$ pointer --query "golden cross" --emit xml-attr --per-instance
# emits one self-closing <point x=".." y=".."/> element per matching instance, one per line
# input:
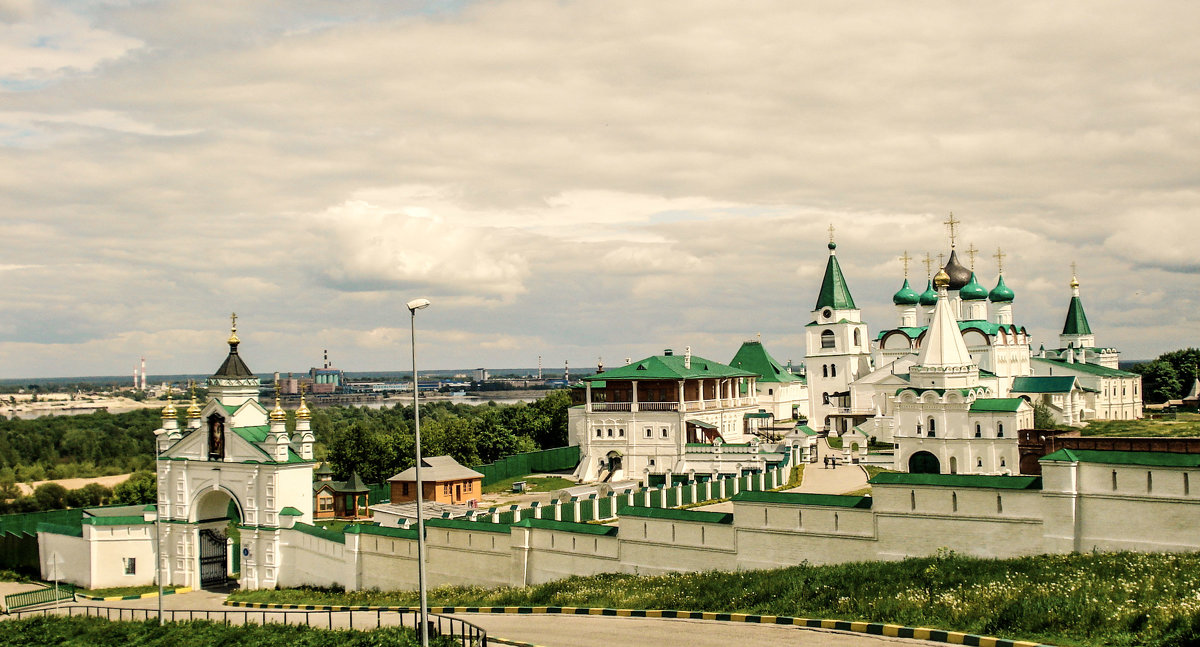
<point x="905" y="259"/>
<point x="276" y="388"/>
<point x="941" y="260"/>
<point x="971" y="251"/>
<point x="831" y="232"/>
<point x="999" y="256"/>
<point x="1074" y="270"/>
<point x="953" y="224"/>
<point x="928" y="261"/>
<point x="233" y="321"/>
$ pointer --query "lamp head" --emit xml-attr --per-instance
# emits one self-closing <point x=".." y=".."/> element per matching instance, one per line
<point x="417" y="304"/>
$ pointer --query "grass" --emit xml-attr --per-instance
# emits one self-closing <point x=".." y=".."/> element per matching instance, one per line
<point x="125" y="590"/>
<point x="13" y="576"/>
<point x="872" y="470"/>
<point x="1185" y="425"/>
<point x="98" y="632"/>
<point x="794" y="478"/>
<point x="1095" y="599"/>
<point x="532" y="484"/>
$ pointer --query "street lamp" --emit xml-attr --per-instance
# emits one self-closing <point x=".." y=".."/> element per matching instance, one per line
<point x="413" y="306"/>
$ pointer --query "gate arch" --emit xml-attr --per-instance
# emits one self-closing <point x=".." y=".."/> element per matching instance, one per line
<point x="924" y="463"/>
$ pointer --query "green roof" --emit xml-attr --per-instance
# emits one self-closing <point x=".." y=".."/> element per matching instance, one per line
<point x="801" y="498"/>
<point x="919" y="390"/>
<point x="1152" y="459"/>
<point x="959" y="480"/>
<point x="1044" y="384"/>
<point x="372" y="529"/>
<point x="290" y="512"/>
<point x="323" y="533"/>
<point x="988" y="405"/>
<point x="986" y="327"/>
<point x="463" y="524"/>
<point x="670" y="367"/>
<point x="1076" y="323"/>
<point x="834" y="291"/>
<point x="567" y="526"/>
<point x="806" y="430"/>
<point x="906" y="296"/>
<point x="229" y="408"/>
<point x="1090" y="369"/>
<point x="754" y="358"/>
<point x="130" y="520"/>
<point x="674" y="514"/>
<point x="117" y="511"/>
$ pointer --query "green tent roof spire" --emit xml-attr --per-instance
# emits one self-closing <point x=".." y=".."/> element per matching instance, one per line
<point x="834" y="291"/>
<point x="1076" y="323"/>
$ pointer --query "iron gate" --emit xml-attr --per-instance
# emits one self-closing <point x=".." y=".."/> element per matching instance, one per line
<point x="213" y="559"/>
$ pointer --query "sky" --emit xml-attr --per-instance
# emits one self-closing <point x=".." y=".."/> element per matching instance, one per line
<point x="576" y="180"/>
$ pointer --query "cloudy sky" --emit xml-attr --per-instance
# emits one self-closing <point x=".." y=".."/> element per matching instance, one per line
<point x="575" y="179"/>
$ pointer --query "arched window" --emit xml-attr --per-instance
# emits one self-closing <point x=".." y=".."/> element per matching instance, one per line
<point x="978" y="431"/>
<point x="825" y="398"/>
<point x="833" y="370"/>
<point x="932" y="428"/>
<point x="824" y="370"/>
<point x="1000" y="430"/>
<point x="857" y="337"/>
<point x="827" y="339"/>
<point x="978" y="462"/>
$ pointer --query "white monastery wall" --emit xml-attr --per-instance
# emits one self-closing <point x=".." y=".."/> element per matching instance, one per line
<point x="654" y="546"/>
<point x="541" y="555"/>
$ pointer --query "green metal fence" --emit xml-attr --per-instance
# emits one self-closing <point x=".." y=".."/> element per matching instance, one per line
<point x="39" y="596"/>
<point x="546" y="460"/>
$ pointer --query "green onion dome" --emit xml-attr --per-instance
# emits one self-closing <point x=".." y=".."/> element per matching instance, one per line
<point x="972" y="291"/>
<point x="906" y="296"/>
<point x="1001" y="293"/>
<point x="928" y="297"/>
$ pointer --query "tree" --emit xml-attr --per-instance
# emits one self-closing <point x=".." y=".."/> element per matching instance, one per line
<point x="92" y="494"/>
<point x="365" y="447"/>
<point x="51" y="496"/>
<point x="140" y="488"/>
<point x="1160" y="381"/>
<point x="1042" y="418"/>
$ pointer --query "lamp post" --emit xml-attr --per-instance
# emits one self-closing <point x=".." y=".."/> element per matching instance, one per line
<point x="413" y="306"/>
<point x="158" y="556"/>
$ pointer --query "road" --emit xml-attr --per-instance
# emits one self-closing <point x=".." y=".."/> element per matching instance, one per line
<point x="552" y="630"/>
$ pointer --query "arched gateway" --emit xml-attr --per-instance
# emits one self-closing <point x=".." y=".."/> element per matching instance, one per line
<point x="924" y="463"/>
<point x="229" y="481"/>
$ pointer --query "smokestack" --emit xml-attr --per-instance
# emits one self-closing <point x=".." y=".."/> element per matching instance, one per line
<point x="135" y="379"/>
<point x="566" y="371"/>
<point x="539" y="367"/>
<point x="326" y="351"/>
<point x="143" y="373"/>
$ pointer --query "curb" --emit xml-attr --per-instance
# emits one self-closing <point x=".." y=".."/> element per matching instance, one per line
<point x="872" y="628"/>
<point x="114" y="598"/>
<point x="509" y="641"/>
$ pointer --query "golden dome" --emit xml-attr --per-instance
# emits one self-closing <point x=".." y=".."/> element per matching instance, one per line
<point x="1074" y="282"/>
<point x="193" y="410"/>
<point x="169" y="411"/>
<point x="941" y="279"/>
<point x="278" y="414"/>
<point x="303" y="413"/>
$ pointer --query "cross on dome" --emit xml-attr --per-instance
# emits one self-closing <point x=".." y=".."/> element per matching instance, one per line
<point x="953" y="224"/>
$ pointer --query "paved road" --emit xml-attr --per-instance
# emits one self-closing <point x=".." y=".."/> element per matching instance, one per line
<point x="571" y="631"/>
<point x="839" y="480"/>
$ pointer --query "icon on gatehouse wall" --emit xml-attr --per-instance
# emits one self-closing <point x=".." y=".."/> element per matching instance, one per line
<point x="216" y="438"/>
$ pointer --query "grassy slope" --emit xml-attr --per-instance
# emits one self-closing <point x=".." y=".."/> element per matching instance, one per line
<point x="1088" y="599"/>
<point x="1186" y="425"/>
<point x="532" y="484"/>
<point x="98" y="632"/>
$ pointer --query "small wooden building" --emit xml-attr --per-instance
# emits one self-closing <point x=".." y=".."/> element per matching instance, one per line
<point x="443" y="481"/>
<point x="340" y="499"/>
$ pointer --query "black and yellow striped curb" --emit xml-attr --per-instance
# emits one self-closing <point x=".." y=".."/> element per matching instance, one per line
<point x="873" y="628"/>
<point x="143" y="596"/>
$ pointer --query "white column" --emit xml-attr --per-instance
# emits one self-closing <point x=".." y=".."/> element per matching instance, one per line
<point x="588" y="406"/>
<point x="633" y="406"/>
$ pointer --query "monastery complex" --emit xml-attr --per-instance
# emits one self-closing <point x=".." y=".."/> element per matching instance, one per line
<point x="943" y="396"/>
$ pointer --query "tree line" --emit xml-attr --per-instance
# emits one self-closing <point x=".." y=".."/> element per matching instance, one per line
<point x="1170" y="376"/>
<point x="375" y="443"/>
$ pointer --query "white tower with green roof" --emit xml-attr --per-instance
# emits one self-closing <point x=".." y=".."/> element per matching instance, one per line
<point x="838" y="351"/>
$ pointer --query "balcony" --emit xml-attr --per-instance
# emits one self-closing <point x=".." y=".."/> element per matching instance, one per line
<point x="658" y="406"/>
<point x="611" y="406"/>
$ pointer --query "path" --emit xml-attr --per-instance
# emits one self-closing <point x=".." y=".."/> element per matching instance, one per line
<point x="838" y="480"/>
<point x="76" y="483"/>
<point x="552" y="630"/>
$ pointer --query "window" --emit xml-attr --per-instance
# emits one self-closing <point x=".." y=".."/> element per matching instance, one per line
<point x="446" y="488"/>
<point x="403" y="488"/>
<point x="1114" y="479"/>
<point x="932" y="428"/>
<point x="912" y="499"/>
<point x="651" y="462"/>
<point x="649" y="432"/>
<point x="978" y="430"/>
<point x="825" y="398"/>
<point x="999" y="504"/>
<point x="833" y="370"/>
<point x="1002" y="462"/>
<point x="954" y="501"/>
<point x="130" y="564"/>
<point x="664" y="432"/>
<point x="621" y="432"/>
<point x="770" y="391"/>
<point x="857" y="337"/>
<point x="1000" y="430"/>
<point x="824" y="370"/>
<point x="469" y="485"/>
<point x="827" y="339"/>
<point x="978" y="462"/>
<point x="1149" y="481"/>
<point x="325" y="503"/>
<point x="599" y="433"/>
<point x="1186" y="486"/>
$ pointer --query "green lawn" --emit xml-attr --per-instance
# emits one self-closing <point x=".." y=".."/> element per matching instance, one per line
<point x="92" y="632"/>
<point x="532" y="484"/>
<point x="1185" y="425"/>
<point x="125" y="590"/>
<point x="1096" y="599"/>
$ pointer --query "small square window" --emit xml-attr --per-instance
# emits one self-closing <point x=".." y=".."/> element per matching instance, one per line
<point x="664" y="432"/>
<point x="651" y="462"/>
<point x="130" y="564"/>
<point x="649" y="432"/>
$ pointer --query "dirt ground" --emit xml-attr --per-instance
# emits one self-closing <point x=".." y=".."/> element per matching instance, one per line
<point x="75" y="484"/>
